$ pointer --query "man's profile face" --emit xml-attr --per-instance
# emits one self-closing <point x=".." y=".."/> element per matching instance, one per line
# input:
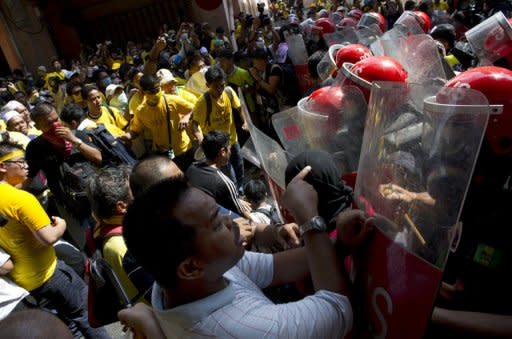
<point x="226" y="64"/>
<point x="218" y="243"/>
<point x="45" y="123"/>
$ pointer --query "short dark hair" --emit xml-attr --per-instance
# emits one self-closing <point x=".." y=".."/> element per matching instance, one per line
<point x="72" y="112"/>
<point x="148" y="82"/>
<point x="8" y="146"/>
<point x="42" y="109"/>
<point x="227" y="53"/>
<point x="107" y="188"/>
<point x="88" y="89"/>
<point x="213" y="74"/>
<point x="130" y="74"/>
<point x="213" y="142"/>
<point x="70" y="86"/>
<point x="259" y="54"/>
<point x="255" y="191"/>
<point x="170" y="240"/>
<point x="146" y="173"/>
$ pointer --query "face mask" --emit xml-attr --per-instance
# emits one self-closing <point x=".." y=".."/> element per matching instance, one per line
<point x="63" y="146"/>
<point x="120" y="102"/>
<point x="107" y="81"/>
<point x="77" y="98"/>
<point x="153" y="99"/>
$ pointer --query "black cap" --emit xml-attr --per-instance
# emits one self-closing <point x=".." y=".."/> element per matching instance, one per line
<point x="226" y="53"/>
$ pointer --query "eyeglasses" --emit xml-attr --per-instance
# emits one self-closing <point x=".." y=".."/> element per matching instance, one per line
<point x="19" y="162"/>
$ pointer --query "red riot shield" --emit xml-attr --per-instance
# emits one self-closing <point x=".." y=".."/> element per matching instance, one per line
<point x="419" y="150"/>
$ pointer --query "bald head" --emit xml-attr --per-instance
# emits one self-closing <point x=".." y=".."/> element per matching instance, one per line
<point x="150" y="171"/>
<point x="33" y="324"/>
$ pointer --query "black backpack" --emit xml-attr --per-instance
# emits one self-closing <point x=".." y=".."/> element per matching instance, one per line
<point x="74" y="172"/>
<point x="272" y="214"/>
<point x="113" y="151"/>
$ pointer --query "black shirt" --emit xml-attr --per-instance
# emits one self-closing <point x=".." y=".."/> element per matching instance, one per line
<point x="41" y="155"/>
<point x="216" y="184"/>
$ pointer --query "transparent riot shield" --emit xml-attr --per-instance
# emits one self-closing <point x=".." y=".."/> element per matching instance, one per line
<point x="405" y="26"/>
<point x="408" y="24"/>
<point x="332" y="120"/>
<point x="491" y="39"/>
<point x="368" y="35"/>
<point x="299" y="56"/>
<point x="345" y="35"/>
<point x="266" y="153"/>
<point x="419" y="55"/>
<point x="327" y="65"/>
<point x="290" y="133"/>
<point x="419" y="150"/>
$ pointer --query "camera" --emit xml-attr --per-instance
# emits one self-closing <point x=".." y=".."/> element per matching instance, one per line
<point x="261" y="7"/>
<point x="264" y="18"/>
<point x="249" y="19"/>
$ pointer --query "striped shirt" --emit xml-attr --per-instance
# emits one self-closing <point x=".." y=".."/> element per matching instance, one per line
<point x="241" y="310"/>
<point x="216" y="184"/>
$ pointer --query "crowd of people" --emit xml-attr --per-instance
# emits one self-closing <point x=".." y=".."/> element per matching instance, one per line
<point x="134" y="153"/>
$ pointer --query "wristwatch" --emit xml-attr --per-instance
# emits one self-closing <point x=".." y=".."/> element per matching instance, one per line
<point x="316" y="223"/>
<point x="78" y="143"/>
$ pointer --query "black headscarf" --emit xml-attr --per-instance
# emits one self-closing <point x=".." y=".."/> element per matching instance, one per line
<point x="333" y="194"/>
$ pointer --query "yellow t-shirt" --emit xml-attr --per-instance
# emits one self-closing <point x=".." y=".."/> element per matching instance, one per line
<point x="154" y="118"/>
<point x="114" y="124"/>
<point x="135" y="102"/>
<point x="183" y="93"/>
<point x="221" y="116"/>
<point x="114" y="249"/>
<point x="32" y="131"/>
<point x="19" y="138"/>
<point x="3" y="127"/>
<point x="34" y="263"/>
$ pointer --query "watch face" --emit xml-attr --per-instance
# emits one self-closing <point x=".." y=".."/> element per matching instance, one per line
<point x="319" y="223"/>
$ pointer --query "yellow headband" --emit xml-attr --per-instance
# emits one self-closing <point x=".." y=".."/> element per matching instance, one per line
<point x="12" y="155"/>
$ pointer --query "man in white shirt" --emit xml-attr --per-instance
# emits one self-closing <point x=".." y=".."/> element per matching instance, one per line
<point x="208" y="286"/>
<point x="10" y="293"/>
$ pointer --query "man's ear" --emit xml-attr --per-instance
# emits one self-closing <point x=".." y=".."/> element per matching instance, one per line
<point x="190" y="269"/>
<point x="73" y="125"/>
<point x="121" y="207"/>
<point x="2" y="168"/>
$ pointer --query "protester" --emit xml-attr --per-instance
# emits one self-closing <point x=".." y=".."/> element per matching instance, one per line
<point x="36" y="267"/>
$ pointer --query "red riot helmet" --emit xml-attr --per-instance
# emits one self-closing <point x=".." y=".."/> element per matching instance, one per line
<point x="347" y="22"/>
<point x="373" y="68"/>
<point x="351" y="53"/>
<point x="373" y="18"/>
<point x="423" y="20"/>
<point x="496" y="84"/>
<point x="326" y="25"/>
<point x="326" y="99"/>
<point x="355" y="13"/>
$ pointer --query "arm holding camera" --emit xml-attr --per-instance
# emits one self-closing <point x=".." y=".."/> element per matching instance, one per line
<point x="151" y="65"/>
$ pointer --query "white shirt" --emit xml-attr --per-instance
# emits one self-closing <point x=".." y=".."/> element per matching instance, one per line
<point x="241" y="310"/>
<point x="10" y="293"/>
